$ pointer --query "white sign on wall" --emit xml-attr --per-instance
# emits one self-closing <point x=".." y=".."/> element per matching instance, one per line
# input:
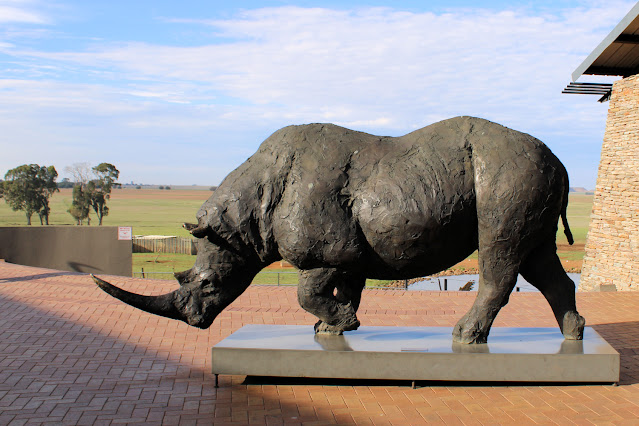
<point x="125" y="233"/>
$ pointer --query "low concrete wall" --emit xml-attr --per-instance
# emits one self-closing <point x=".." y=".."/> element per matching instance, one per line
<point x="94" y="249"/>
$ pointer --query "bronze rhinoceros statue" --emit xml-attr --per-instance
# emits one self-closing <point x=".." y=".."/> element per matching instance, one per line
<point x="343" y="206"/>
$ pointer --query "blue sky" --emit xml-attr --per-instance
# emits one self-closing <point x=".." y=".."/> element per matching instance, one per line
<point x="183" y="92"/>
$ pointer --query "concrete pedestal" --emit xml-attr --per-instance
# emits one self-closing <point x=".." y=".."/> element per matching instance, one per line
<point x="416" y="353"/>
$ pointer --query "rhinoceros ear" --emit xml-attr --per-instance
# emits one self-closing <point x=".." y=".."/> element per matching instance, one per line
<point x="195" y="230"/>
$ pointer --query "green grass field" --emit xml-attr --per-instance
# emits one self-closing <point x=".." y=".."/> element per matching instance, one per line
<point x="162" y="212"/>
<point x="579" y="208"/>
<point x="148" y="211"/>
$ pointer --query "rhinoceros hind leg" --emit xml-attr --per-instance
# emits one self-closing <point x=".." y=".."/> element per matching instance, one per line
<point x="542" y="268"/>
<point x="335" y="309"/>
<point x="497" y="279"/>
<point x="573" y="326"/>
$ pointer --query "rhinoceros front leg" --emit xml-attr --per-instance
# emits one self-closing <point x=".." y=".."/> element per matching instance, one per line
<point x="332" y="295"/>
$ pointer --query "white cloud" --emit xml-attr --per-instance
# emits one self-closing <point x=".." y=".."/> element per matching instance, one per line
<point x="321" y="57"/>
<point x="20" y="11"/>
<point x="375" y="69"/>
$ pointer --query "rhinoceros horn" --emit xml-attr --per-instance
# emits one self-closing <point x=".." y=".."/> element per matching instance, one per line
<point x="163" y="305"/>
<point x="197" y="231"/>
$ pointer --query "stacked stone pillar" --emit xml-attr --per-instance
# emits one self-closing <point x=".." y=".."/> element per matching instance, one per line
<point x="611" y="260"/>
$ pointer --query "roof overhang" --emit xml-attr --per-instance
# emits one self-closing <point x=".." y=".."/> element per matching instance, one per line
<point x="601" y="89"/>
<point x="618" y="53"/>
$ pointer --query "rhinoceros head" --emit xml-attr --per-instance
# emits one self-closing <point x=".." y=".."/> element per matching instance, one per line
<point x="218" y="277"/>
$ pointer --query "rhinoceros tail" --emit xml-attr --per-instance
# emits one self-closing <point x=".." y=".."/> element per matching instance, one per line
<point x="564" y="219"/>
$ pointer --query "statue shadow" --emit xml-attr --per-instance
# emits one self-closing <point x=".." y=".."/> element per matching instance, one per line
<point x="74" y="370"/>
<point x="37" y="276"/>
<point x="624" y="338"/>
<point x="83" y="267"/>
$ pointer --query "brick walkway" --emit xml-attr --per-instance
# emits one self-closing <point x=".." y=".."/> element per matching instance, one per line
<point x="70" y="354"/>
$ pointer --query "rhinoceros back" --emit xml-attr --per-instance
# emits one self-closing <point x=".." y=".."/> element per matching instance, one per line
<point x="320" y="195"/>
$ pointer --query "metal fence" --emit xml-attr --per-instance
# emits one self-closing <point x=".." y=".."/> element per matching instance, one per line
<point x="443" y="283"/>
<point x="281" y="278"/>
<point x="263" y="278"/>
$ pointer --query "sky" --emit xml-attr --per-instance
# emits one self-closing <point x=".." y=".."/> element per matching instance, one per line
<point x="183" y="92"/>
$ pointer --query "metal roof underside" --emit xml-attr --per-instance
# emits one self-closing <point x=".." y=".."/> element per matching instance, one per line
<point x="618" y="53"/>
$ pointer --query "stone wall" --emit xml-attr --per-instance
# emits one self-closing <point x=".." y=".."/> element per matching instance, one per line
<point x="612" y="245"/>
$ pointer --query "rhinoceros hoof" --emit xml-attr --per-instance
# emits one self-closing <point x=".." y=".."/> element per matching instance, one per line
<point x="573" y="326"/>
<point x="323" y="328"/>
<point x="468" y="335"/>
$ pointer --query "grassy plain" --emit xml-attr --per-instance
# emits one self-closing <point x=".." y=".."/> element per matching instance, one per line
<point x="162" y="212"/>
<point x="579" y="209"/>
<point x="148" y="211"/>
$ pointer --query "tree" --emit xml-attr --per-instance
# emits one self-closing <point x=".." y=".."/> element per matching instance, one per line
<point x="80" y="172"/>
<point x="80" y="206"/>
<point x="28" y="188"/>
<point x="47" y="176"/>
<point x="65" y="183"/>
<point x="100" y="188"/>
<point x="81" y="203"/>
<point x="92" y="189"/>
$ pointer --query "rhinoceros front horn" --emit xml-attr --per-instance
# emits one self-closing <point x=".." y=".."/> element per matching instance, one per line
<point x="162" y="305"/>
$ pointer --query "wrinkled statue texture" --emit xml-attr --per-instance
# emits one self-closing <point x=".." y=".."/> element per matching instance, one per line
<point x="343" y="206"/>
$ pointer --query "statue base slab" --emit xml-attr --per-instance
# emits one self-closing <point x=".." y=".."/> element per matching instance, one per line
<point x="416" y="353"/>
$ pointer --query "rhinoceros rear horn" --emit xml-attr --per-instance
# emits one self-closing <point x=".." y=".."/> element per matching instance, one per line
<point x="183" y="276"/>
<point x="162" y="305"/>
<point x="195" y="230"/>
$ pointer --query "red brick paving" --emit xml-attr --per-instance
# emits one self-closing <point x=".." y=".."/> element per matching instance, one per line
<point x="70" y="354"/>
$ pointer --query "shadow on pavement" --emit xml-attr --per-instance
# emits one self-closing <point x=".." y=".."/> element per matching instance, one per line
<point x="61" y="371"/>
<point x="624" y="337"/>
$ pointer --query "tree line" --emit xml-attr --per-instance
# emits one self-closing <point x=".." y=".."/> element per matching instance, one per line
<point x="29" y="187"/>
